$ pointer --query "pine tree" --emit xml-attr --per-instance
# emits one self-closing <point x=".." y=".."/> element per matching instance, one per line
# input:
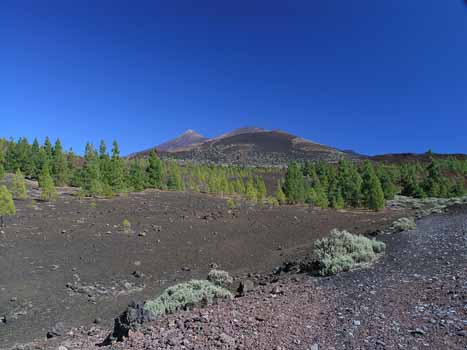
<point x="260" y="188"/>
<point x="224" y="185"/>
<point x="91" y="176"/>
<point x="59" y="165"/>
<point x="175" y="181"/>
<point x="2" y="171"/>
<point x="338" y="200"/>
<point x="19" y="186"/>
<point x="137" y="177"/>
<point x="48" y="148"/>
<point x="335" y="197"/>
<point x="7" y="206"/>
<point x="36" y="165"/>
<point x="105" y="166"/>
<point x="239" y="186"/>
<point x="154" y="171"/>
<point x="387" y="183"/>
<point x="410" y="182"/>
<point x="11" y="159"/>
<point x="318" y="196"/>
<point x="117" y="171"/>
<point x="279" y="194"/>
<point x="46" y="184"/>
<point x="294" y="185"/>
<point x="433" y="182"/>
<point x="250" y="190"/>
<point x="372" y="192"/>
<point x="23" y="156"/>
<point x="349" y="184"/>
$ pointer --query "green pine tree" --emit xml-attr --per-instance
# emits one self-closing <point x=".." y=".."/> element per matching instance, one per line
<point x="59" y="165"/>
<point x="432" y="185"/>
<point x="23" y="156"/>
<point x="92" y="184"/>
<point x="250" y="190"/>
<point x="372" y="192"/>
<point x="349" y="183"/>
<point x="117" y="170"/>
<point x="154" y="171"/>
<point x="19" y="190"/>
<point x="48" y="148"/>
<point x="2" y="171"/>
<point x="261" y="191"/>
<point x="47" y="186"/>
<point x="137" y="176"/>
<point x="319" y="197"/>
<point x="7" y="206"/>
<point x="279" y="194"/>
<point x="387" y="183"/>
<point x="294" y="184"/>
<point x="36" y="165"/>
<point x="175" y="181"/>
<point x="239" y="186"/>
<point x="11" y="159"/>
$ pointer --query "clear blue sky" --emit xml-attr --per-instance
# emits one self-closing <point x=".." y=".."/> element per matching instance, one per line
<point x="373" y="76"/>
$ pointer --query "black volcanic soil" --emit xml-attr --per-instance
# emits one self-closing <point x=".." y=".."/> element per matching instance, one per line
<point x="70" y="261"/>
<point x="413" y="297"/>
<point x="258" y="148"/>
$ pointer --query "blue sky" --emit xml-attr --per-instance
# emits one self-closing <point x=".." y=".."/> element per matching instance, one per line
<point x="372" y="76"/>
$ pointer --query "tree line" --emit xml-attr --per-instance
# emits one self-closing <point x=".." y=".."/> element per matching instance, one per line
<point x="345" y="184"/>
<point x="368" y="185"/>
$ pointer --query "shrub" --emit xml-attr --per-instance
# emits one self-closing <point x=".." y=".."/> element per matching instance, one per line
<point x="46" y="183"/>
<point x="7" y="206"/>
<point x="231" y="203"/>
<point x="186" y="295"/>
<point x="126" y="226"/>
<point x="404" y="224"/>
<point x="273" y="202"/>
<point x="19" y="190"/>
<point x="342" y="250"/>
<point x="220" y="278"/>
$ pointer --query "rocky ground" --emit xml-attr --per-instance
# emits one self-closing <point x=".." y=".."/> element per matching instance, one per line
<point x="413" y="297"/>
<point x="70" y="262"/>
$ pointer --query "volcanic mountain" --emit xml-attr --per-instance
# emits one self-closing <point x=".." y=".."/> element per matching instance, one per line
<point x="188" y="138"/>
<point x="246" y="146"/>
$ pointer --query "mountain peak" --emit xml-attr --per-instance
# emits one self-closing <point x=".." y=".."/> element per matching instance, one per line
<point x="188" y="138"/>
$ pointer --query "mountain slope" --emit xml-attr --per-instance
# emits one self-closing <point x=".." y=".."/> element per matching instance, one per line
<point x="188" y="138"/>
<point x="247" y="146"/>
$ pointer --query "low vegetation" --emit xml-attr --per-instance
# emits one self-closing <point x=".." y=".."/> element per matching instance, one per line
<point x="18" y="186"/>
<point x="7" y="206"/>
<point x="404" y="224"/>
<point x="342" y="250"/>
<point x="186" y="295"/>
<point x="46" y="184"/>
<point x="220" y="278"/>
<point x="126" y="226"/>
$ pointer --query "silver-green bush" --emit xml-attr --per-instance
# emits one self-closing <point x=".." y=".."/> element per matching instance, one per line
<point x="342" y="250"/>
<point x="220" y="278"/>
<point x="404" y="224"/>
<point x="186" y="295"/>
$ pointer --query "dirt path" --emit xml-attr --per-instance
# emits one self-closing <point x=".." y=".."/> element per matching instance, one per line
<point x="414" y="297"/>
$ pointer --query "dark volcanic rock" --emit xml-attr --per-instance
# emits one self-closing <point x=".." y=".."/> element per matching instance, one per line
<point x="130" y="320"/>
<point x="244" y="287"/>
<point x="57" y="331"/>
